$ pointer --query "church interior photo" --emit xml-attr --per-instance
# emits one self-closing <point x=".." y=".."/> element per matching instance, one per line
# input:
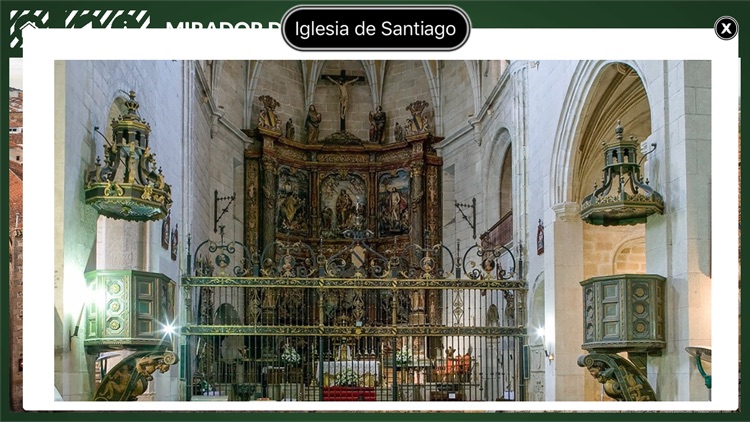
<point x="383" y="230"/>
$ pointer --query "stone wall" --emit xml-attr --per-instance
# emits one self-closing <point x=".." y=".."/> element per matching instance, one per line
<point x="678" y="242"/>
<point x="359" y="104"/>
<point x="614" y="250"/>
<point x="281" y="79"/>
<point x="457" y="96"/>
<point x="405" y="82"/>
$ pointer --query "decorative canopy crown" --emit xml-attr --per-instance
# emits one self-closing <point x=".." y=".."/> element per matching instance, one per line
<point x="634" y="199"/>
<point x="127" y="186"/>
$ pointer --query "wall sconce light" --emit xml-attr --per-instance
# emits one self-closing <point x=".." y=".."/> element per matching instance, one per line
<point x="169" y="331"/>
<point x="550" y="356"/>
<point x="89" y="298"/>
<point x="74" y="333"/>
<point x="700" y="354"/>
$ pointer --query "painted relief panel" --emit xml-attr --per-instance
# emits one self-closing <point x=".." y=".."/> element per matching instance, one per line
<point x="393" y="203"/>
<point x="343" y="200"/>
<point x="292" y="199"/>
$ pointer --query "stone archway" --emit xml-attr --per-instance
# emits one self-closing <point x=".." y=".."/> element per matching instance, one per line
<point x="630" y="257"/>
<point x="537" y="359"/>
<point x="499" y="151"/>
<point x="567" y="138"/>
<point x="600" y="94"/>
<point x="617" y="95"/>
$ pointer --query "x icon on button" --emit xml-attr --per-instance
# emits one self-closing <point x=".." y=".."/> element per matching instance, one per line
<point x="726" y="27"/>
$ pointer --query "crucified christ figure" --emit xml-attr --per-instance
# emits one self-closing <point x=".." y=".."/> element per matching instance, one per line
<point x="344" y="93"/>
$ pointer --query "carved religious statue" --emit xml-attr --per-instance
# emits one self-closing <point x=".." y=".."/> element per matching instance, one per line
<point x="420" y="119"/>
<point x="148" y="365"/>
<point x="377" y="125"/>
<point x="398" y="133"/>
<point x="343" y="85"/>
<point x="129" y="378"/>
<point x="268" y="119"/>
<point x="312" y="124"/>
<point x="289" y="129"/>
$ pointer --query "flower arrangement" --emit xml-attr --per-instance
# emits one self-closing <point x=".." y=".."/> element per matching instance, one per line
<point x="346" y="378"/>
<point x="403" y="357"/>
<point x="290" y="356"/>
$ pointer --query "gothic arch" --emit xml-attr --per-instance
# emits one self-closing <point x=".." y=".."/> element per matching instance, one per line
<point x="252" y="73"/>
<point x="432" y="72"/>
<point x="537" y="357"/>
<point x="310" y="74"/>
<point x="630" y="256"/>
<point x="116" y="106"/>
<point x="572" y="117"/>
<point x="473" y="68"/>
<point x="506" y="183"/>
<point x="497" y="150"/>
<point x="536" y="306"/>
<point x="374" y="73"/>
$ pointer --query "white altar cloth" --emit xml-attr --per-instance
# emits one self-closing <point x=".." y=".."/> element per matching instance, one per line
<point x="359" y="367"/>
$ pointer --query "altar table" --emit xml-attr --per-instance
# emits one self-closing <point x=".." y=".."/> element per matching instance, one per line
<point x="368" y="371"/>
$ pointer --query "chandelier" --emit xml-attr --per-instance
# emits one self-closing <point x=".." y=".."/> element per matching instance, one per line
<point x="127" y="186"/>
<point x="632" y="200"/>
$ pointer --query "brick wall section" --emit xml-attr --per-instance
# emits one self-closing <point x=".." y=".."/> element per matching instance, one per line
<point x="281" y="79"/>
<point x="613" y="250"/>
<point x="85" y="92"/>
<point x="405" y="82"/>
<point x="458" y="102"/>
<point x="201" y="204"/>
<point x="359" y="105"/>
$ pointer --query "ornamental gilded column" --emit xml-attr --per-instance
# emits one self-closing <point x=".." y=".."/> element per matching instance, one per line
<point x="417" y="314"/>
<point x="270" y="167"/>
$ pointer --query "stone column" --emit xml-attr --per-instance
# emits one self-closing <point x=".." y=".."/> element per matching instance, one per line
<point x="678" y="243"/>
<point x="563" y="331"/>
<point x="519" y="77"/>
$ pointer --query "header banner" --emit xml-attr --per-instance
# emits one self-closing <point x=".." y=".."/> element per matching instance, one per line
<point x="367" y="27"/>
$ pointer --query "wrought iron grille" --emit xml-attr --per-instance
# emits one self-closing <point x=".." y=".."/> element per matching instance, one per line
<point x="291" y="323"/>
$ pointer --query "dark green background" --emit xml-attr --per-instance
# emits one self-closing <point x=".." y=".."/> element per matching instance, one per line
<point x="483" y="14"/>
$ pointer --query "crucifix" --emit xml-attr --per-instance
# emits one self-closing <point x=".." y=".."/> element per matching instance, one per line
<point x="343" y="81"/>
